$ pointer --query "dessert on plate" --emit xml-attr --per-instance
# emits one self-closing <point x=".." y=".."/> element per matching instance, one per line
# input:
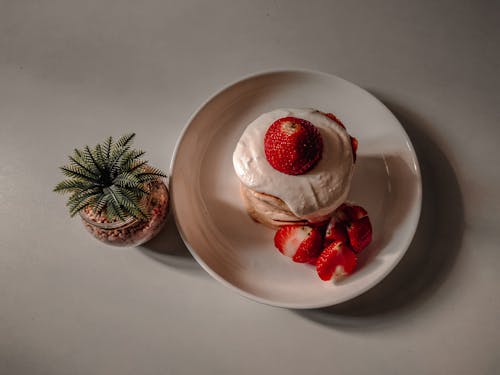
<point x="295" y="168"/>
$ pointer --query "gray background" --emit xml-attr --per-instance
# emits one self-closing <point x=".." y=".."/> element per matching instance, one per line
<point x="73" y="72"/>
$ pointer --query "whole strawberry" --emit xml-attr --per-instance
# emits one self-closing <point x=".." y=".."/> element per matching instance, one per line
<point x="302" y="243"/>
<point x="293" y="145"/>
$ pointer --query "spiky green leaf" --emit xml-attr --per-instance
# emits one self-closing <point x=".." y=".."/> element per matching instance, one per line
<point x="151" y="174"/>
<point x="114" y="211"/>
<point x="101" y="202"/>
<point x="106" y="148"/>
<point x="129" y="203"/>
<point x="71" y="185"/>
<point x="124" y="141"/>
<point x="99" y="157"/>
<point x="78" y="196"/>
<point x="115" y="200"/>
<point x="114" y="165"/>
<point x="76" y="161"/>
<point x="129" y="158"/>
<point x="127" y="179"/>
<point x="137" y="166"/>
<point x="78" y="173"/>
<point x="138" y="191"/>
<point x="79" y="204"/>
<point x="89" y="158"/>
<point x="111" y="211"/>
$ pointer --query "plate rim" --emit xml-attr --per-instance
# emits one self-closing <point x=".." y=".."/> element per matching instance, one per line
<point x="253" y="297"/>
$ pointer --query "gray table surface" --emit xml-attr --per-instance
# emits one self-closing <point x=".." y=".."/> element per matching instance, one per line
<point x="73" y="72"/>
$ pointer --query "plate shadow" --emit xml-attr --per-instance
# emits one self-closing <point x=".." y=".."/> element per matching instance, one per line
<point x="432" y="252"/>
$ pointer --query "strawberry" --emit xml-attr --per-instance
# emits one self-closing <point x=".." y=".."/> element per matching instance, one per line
<point x="354" y="145"/>
<point x="336" y="261"/>
<point x="335" y="230"/>
<point x="331" y="116"/>
<point x="354" y="141"/>
<point x="347" y="218"/>
<point x="342" y="212"/>
<point x="354" y="212"/>
<point x="360" y="233"/>
<point x="302" y="243"/>
<point x="293" y="145"/>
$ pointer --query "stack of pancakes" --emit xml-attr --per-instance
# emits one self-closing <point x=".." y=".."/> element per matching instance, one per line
<point x="261" y="200"/>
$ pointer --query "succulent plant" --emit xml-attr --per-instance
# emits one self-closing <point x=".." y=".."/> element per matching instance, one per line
<point x="110" y="178"/>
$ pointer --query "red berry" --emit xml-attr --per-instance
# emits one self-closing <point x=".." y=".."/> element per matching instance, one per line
<point x="336" y="230"/>
<point x="354" y="212"/>
<point x="342" y="213"/>
<point x="336" y="261"/>
<point x="331" y="116"/>
<point x="354" y="145"/>
<point x="293" y="145"/>
<point x="302" y="243"/>
<point x="354" y="141"/>
<point x="360" y="233"/>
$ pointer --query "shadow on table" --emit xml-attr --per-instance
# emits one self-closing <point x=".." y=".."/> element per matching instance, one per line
<point x="432" y="252"/>
<point x="168" y="248"/>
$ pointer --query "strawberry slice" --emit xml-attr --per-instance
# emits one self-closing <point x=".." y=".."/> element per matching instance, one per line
<point x="293" y="145"/>
<point x="336" y="262"/>
<point x="331" y="116"/>
<point x="360" y="233"/>
<point x="353" y="212"/>
<point x="336" y="230"/>
<point x="354" y="145"/>
<point x="302" y="243"/>
<point x="354" y="141"/>
<point x="342" y="212"/>
<point x="346" y="225"/>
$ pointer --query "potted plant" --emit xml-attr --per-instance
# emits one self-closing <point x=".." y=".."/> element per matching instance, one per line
<point x="121" y="200"/>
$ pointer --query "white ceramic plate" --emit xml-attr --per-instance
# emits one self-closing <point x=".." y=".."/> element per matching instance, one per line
<point x="240" y="253"/>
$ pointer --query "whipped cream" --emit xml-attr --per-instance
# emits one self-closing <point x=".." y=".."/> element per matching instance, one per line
<point x="313" y="195"/>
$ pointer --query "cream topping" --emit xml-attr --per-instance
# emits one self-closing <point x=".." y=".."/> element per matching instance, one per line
<point x="313" y="195"/>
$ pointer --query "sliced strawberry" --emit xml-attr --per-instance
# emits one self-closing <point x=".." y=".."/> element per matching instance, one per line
<point x="354" y="212"/>
<point x="302" y="243"/>
<point x="336" y="261"/>
<point x="293" y="145"/>
<point x="354" y="141"/>
<point x="360" y="233"/>
<point x="342" y="212"/>
<point x="354" y="145"/>
<point x="331" y="116"/>
<point x="335" y="230"/>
